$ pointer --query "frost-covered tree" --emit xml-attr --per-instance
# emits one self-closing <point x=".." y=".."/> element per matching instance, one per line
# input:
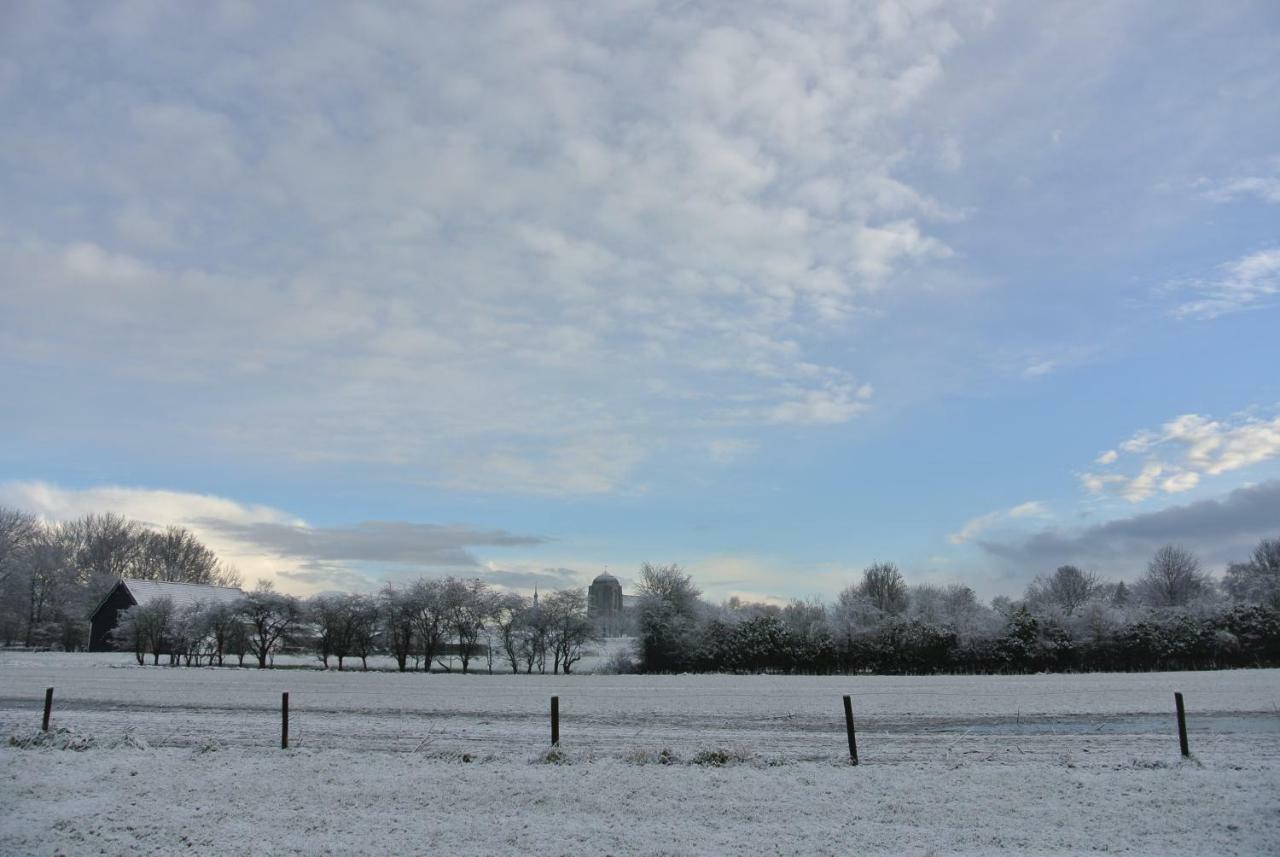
<point x="1173" y="579"/>
<point x="271" y="617"/>
<point x="364" y="627"/>
<point x="107" y="546"/>
<point x="129" y="634"/>
<point x="327" y="617"/>
<point x="1120" y="595"/>
<point x="189" y="634"/>
<point x="430" y="620"/>
<point x="398" y="613"/>
<point x="883" y="587"/>
<point x="569" y="629"/>
<point x="18" y="532"/>
<point x="506" y="623"/>
<point x="175" y="554"/>
<point x="50" y="591"/>
<point x="146" y="629"/>
<point x="466" y="606"/>
<point x="668" y="614"/>
<point x="1258" y="580"/>
<point x="533" y="632"/>
<point x="222" y="623"/>
<point x="1068" y="589"/>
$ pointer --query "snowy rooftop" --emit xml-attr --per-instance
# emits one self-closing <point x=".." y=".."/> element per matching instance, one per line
<point x="182" y="594"/>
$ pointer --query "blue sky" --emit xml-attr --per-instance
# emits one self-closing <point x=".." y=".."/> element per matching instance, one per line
<point x="360" y="293"/>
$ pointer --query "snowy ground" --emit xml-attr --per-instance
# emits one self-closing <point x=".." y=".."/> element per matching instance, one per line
<point x="1030" y="765"/>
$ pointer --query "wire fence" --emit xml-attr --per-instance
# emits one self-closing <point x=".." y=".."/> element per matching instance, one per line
<point x="591" y="728"/>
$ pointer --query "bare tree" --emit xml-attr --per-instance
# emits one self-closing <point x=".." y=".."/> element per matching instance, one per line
<point x="364" y="627"/>
<point x="508" y="616"/>
<point x="18" y="531"/>
<point x="49" y="582"/>
<point x="1068" y="589"/>
<point x="346" y="625"/>
<point x="570" y="629"/>
<point x="430" y="619"/>
<point x="669" y="584"/>
<point x="326" y="613"/>
<point x="1173" y="579"/>
<point x="883" y="587"/>
<point x="222" y="621"/>
<point x="533" y="632"/>
<point x="466" y="605"/>
<point x="175" y="554"/>
<point x="270" y="616"/>
<point x="398" y="614"/>
<point x="108" y="546"/>
<point x="189" y="634"/>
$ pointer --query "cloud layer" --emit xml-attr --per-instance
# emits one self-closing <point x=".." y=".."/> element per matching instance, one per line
<point x="529" y="238"/>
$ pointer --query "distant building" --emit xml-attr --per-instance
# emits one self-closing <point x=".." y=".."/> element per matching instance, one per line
<point x="604" y="604"/>
<point x="131" y="593"/>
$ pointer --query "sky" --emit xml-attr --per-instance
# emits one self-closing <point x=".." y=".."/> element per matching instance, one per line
<point x="524" y="291"/>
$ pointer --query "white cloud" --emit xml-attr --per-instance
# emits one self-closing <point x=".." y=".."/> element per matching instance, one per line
<point x="1032" y="508"/>
<point x="1183" y="451"/>
<point x="975" y="527"/>
<point x="1246" y="283"/>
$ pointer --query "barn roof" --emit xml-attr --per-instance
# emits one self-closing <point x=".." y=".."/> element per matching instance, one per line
<point x="182" y="594"/>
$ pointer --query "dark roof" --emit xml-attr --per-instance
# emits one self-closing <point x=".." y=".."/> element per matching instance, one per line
<point x="606" y="577"/>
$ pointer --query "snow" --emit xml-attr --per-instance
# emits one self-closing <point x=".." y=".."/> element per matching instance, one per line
<point x="182" y="594"/>
<point x="188" y="759"/>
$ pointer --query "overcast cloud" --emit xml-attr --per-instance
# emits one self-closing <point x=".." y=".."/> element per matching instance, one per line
<point x="1220" y="530"/>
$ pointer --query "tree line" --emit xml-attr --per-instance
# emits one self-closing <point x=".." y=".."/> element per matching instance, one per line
<point x="53" y="574"/>
<point x="430" y="623"/>
<point x="1174" y="616"/>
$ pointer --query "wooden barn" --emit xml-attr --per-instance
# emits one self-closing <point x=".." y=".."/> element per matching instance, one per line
<point x="129" y="592"/>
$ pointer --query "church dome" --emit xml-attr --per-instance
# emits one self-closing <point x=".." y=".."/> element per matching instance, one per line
<point x="605" y="577"/>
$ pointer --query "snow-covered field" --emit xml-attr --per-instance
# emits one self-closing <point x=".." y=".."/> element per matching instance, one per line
<point x="1029" y="764"/>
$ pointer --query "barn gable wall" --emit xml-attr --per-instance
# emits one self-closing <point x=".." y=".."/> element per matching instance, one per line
<point x="105" y="617"/>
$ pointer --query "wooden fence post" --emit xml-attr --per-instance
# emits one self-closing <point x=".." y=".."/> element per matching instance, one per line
<point x="848" y="726"/>
<point x="48" y="709"/>
<point x="555" y="721"/>
<point x="1182" y="723"/>
<point x="284" y="720"/>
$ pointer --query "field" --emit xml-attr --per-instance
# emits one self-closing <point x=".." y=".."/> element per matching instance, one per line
<point x="189" y="759"/>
